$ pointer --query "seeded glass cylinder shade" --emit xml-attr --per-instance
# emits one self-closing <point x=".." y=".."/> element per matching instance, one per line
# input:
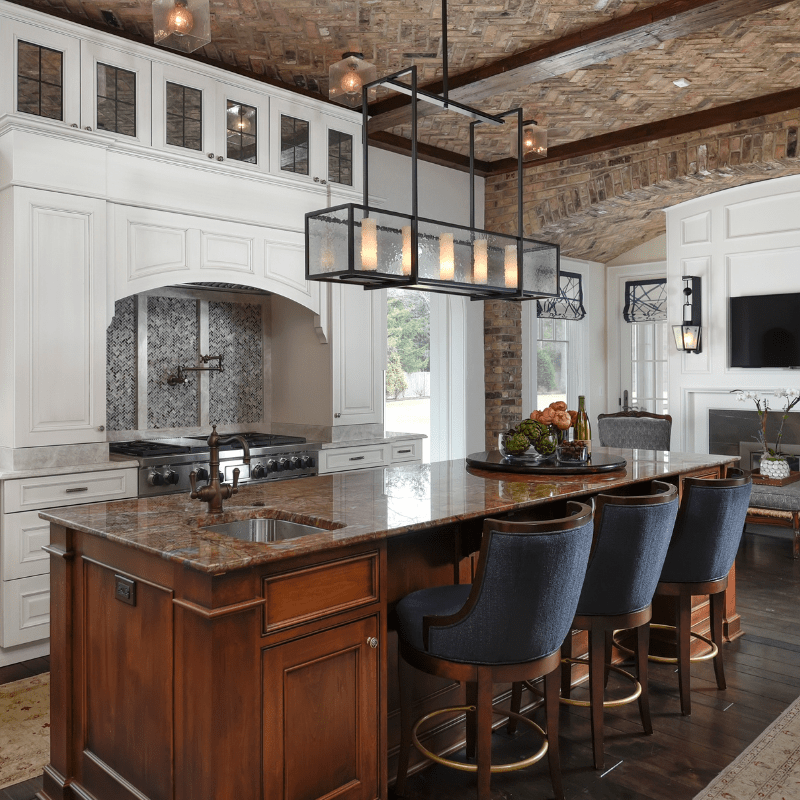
<point x="511" y="270"/>
<point x="447" y="266"/>
<point x="369" y="244"/>
<point x="480" y="261"/>
<point x="406" y="232"/>
<point x="346" y="79"/>
<point x="183" y="25"/>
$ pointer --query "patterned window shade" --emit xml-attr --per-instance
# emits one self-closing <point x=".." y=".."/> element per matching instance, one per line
<point x="645" y="301"/>
<point x="568" y="304"/>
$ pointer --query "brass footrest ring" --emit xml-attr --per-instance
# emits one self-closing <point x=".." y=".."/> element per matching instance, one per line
<point x="460" y="765"/>
<point x="670" y="660"/>
<point x="568" y="701"/>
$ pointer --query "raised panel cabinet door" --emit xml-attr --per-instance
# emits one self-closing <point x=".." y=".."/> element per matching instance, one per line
<point x="60" y="330"/>
<point x="321" y="726"/>
<point x="359" y="328"/>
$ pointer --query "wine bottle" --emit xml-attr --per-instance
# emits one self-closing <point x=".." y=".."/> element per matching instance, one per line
<point x="583" y="429"/>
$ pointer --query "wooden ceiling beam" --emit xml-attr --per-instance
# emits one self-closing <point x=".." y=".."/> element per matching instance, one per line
<point x="670" y="19"/>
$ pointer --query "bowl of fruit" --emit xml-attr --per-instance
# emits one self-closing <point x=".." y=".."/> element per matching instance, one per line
<point x="529" y="441"/>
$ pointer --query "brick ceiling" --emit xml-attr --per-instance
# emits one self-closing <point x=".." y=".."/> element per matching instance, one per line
<point x="747" y="56"/>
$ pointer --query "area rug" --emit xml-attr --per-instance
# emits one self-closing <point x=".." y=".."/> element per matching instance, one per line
<point x="768" y="770"/>
<point x="24" y="729"/>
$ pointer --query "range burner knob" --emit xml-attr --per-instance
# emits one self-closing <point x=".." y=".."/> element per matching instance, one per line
<point x="272" y="465"/>
<point x="155" y="479"/>
<point x="171" y="477"/>
<point x="258" y="471"/>
<point x="294" y="462"/>
<point x="283" y="464"/>
<point x="202" y="474"/>
<point x="306" y="462"/>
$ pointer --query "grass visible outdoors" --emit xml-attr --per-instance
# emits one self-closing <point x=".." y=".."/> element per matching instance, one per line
<point x="411" y="416"/>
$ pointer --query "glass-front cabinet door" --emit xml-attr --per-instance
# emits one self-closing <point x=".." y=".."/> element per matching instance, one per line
<point x="115" y="93"/>
<point x="244" y="123"/>
<point x="46" y="69"/>
<point x="343" y="153"/>
<point x="295" y="141"/>
<point x="184" y="112"/>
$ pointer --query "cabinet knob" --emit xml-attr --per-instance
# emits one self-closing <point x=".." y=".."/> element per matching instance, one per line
<point x="211" y="155"/>
<point x="372" y="642"/>
<point x="219" y="158"/>
<point x="337" y="415"/>
<point x="88" y="128"/>
<point x="101" y="428"/>
<point x="316" y="179"/>
<point x="74" y="125"/>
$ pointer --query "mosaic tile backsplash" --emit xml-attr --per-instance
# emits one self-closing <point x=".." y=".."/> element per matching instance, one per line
<point x="235" y="395"/>
<point x="171" y="340"/>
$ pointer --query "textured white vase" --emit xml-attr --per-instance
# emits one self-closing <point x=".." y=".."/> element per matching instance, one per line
<point x="775" y="467"/>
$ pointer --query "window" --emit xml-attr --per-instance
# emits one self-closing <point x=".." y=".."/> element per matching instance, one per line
<point x="294" y="145"/>
<point x="645" y="301"/>
<point x="241" y="132"/>
<point x="649" y="367"/>
<point x="116" y="100"/>
<point x="184" y="116"/>
<point x="40" y="81"/>
<point x="552" y="358"/>
<point x="340" y="157"/>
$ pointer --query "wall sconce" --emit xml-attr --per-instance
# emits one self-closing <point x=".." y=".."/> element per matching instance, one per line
<point x="183" y="25"/>
<point x="687" y="335"/>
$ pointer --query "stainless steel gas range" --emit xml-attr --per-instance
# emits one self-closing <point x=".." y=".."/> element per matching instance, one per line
<point x="165" y="464"/>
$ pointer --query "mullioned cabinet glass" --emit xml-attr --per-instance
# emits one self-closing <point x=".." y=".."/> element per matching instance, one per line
<point x="40" y="80"/>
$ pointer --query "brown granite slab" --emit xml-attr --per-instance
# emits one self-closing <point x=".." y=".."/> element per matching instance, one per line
<point x="352" y="507"/>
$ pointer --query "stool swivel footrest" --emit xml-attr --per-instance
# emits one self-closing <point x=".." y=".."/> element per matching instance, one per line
<point x="712" y="653"/>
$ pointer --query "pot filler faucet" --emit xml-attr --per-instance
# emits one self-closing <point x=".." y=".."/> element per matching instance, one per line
<point x="215" y="492"/>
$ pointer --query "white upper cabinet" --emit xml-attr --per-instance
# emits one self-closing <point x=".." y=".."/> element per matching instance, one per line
<point x="115" y="92"/>
<point x="343" y="153"/>
<point x="184" y="112"/>
<point x="45" y="66"/>
<point x="243" y="124"/>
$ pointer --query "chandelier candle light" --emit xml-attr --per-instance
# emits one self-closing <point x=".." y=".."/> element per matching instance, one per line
<point x="378" y="249"/>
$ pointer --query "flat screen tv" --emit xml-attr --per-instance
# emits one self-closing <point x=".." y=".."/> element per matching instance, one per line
<point x="765" y="330"/>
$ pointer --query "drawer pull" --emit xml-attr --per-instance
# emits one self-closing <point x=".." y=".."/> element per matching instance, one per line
<point x="372" y="642"/>
<point x="77" y="489"/>
<point x="404" y="451"/>
<point x="356" y="458"/>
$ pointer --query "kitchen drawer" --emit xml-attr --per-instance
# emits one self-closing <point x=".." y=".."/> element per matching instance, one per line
<point x="319" y="591"/>
<point x="26" y="610"/>
<point x="21" y="538"/>
<point x="406" y="451"/>
<point x="338" y="459"/>
<point x="24" y="494"/>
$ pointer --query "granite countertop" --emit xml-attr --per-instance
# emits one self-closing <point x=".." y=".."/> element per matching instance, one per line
<point x="40" y="472"/>
<point x="353" y="507"/>
<point x="387" y="438"/>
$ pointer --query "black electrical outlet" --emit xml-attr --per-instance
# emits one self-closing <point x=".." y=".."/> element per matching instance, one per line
<point x="125" y="590"/>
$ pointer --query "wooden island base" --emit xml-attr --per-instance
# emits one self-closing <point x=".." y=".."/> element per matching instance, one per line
<point x="273" y="680"/>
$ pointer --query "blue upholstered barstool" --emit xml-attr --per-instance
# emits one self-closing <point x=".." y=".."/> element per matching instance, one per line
<point x="506" y="626"/>
<point x="700" y="556"/>
<point x="631" y="537"/>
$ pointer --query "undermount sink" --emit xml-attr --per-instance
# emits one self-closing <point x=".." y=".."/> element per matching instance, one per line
<point x="263" y="530"/>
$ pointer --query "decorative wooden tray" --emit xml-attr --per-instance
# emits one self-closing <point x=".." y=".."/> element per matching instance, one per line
<point x="494" y="460"/>
<point x="764" y="481"/>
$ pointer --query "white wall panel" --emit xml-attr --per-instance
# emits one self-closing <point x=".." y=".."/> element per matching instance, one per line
<point x="697" y="229"/>
<point x="764" y="272"/>
<point x="763" y="216"/>
<point x="155" y="249"/>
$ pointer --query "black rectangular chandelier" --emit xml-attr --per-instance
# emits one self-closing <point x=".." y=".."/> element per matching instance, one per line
<point x="367" y="246"/>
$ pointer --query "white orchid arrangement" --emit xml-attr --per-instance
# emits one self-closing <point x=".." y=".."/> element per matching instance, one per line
<point x="791" y="398"/>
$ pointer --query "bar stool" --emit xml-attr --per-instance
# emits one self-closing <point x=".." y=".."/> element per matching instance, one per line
<point x="700" y="556"/>
<point x="631" y="537"/>
<point x="506" y="626"/>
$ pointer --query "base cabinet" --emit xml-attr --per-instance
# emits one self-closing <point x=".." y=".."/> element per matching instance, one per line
<point x="320" y="704"/>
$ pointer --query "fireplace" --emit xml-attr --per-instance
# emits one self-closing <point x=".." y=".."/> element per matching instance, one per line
<point x="734" y="432"/>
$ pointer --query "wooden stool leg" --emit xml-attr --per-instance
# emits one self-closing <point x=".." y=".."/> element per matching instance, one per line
<point x="642" y="647"/>
<point x="684" y="623"/>
<point x="484" y="733"/>
<point x="551" y="711"/>
<point x="404" y="672"/>
<point x="566" y="669"/>
<point x="717" y="613"/>
<point x="472" y="700"/>
<point x="597" y="651"/>
<point x="516" y="705"/>
<point x="607" y="656"/>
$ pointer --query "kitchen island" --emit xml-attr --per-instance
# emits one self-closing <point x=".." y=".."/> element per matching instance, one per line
<point x="189" y="664"/>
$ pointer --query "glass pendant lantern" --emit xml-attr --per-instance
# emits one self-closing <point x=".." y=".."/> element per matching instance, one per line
<point x="183" y="25"/>
<point x="534" y="141"/>
<point x="347" y="77"/>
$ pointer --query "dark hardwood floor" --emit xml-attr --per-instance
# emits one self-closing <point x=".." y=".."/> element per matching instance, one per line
<point x="685" y="753"/>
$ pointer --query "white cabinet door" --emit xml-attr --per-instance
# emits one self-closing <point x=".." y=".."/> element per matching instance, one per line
<point x="26" y="610"/>
<point x="115" y="93"/>
<point x="60" y="327"/>
<point x="38" y="96"/>
<point x="22" y="536"/>
<point x="342" y="153"/>
<point x="243" y="127"/>
<point x="296" y="142"/>
<point x="185" y="111"/>
<point x="358" y="328"/>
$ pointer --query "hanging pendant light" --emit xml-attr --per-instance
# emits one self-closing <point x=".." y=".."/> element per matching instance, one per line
<point x="183" y="25"/>
<point x="534" y="141"/>
<point x="347" y="77"/>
